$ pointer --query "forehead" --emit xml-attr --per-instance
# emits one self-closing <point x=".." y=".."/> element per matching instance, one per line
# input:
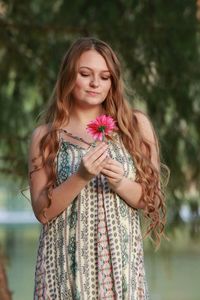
<point x="93" y="60"/>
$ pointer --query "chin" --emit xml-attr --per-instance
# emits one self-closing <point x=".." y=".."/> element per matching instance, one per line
<point x="93" y="102"/>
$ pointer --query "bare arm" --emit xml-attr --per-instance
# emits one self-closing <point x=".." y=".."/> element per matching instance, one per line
<point x="128" y="189"/>
<point x="66" y="192"/>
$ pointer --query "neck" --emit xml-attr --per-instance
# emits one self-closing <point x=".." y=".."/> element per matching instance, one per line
<point x="84" y="116"/>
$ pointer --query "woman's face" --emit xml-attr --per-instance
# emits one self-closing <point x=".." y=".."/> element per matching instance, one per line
<point x="93" y="80"/>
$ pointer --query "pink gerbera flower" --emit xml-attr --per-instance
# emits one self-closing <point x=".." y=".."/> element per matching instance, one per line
<point x="100" y="127"/>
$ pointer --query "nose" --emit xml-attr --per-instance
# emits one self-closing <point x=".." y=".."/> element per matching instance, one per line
<point x="94" y="82"/>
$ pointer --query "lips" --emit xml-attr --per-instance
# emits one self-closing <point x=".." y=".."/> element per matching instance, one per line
<point x="91" y="93"/>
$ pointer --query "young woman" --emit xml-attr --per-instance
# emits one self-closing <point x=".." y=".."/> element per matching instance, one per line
<point x="87" y="195"/>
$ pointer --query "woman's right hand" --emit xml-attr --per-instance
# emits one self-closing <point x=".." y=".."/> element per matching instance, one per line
<point x="92" y="163"/>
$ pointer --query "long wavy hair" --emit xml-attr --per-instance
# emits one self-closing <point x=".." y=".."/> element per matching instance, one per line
<point x="115" y="105"/>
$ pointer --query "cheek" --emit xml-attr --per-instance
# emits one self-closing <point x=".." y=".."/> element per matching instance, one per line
<point x="107" y="87"/>
<point x="79" y="84"/>
<point x="79" y="87"/>
<point x="77" y="91"/>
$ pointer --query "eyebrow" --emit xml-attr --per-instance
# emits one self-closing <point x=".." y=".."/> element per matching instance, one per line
<point x="92" y="69"/>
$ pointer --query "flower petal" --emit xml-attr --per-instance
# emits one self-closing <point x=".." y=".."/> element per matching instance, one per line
<point x="101" y="125"/>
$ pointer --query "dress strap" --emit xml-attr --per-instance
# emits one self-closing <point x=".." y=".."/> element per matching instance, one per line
<point x="75" y="137"/>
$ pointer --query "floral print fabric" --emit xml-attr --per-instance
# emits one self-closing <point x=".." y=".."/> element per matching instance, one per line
<point x="97" y="236"/>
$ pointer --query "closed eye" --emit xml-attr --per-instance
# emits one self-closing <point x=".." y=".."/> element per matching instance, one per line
<point x="105" y="78"/>
<point x="102" y="77"/>
<point x="84" y="74"/>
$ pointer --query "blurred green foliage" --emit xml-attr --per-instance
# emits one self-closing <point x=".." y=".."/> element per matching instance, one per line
<point x="158" y="43"/>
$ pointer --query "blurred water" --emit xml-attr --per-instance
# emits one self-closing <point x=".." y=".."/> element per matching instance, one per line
<point x="171" y="275"/>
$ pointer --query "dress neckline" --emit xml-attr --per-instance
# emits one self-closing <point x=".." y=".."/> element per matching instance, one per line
<point x="76" y="137"/>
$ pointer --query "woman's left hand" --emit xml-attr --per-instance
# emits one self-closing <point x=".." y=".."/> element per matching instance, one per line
<point x="114" y="172"/>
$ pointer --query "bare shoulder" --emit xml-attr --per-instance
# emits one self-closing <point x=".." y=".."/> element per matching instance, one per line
<point x="34" y="145"/>
<point x="39" y="132"/>
<point x="145" y="125"/>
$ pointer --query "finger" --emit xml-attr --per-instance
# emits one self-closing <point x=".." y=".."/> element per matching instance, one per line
<point x="109" y="174"/>
<point x="98" y="149"/>
<point x="99" y="161"/>
<point x="114" y="162"/>
<point x="99" y="157"/>
<point x="95" y="168"/>
<point x="92" y="157"/>
<point x="112" y="174"/>
<point x="114" y="168"/>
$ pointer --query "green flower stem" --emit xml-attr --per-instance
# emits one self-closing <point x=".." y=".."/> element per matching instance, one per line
<point x="103" y="139"/>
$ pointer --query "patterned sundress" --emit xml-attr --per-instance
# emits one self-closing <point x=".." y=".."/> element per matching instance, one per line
<point x="93" y="250"/>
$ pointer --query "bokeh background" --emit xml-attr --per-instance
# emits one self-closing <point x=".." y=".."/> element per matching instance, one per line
<point x="158" y="43"/>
